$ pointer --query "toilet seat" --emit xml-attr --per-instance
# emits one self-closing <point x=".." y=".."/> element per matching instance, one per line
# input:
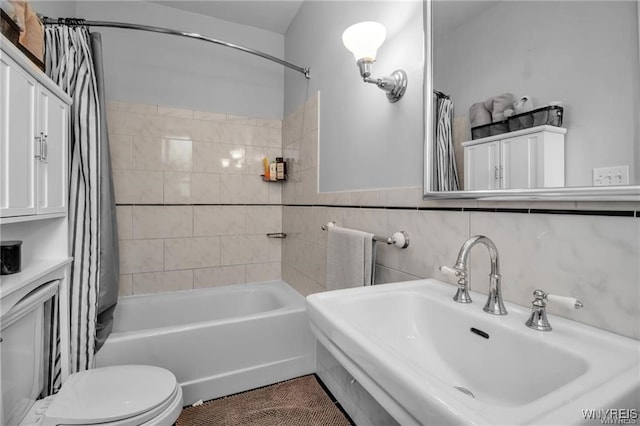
<point x="121" y="395"/>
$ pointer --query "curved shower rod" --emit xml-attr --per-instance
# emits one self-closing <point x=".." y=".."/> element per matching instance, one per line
<point x="75" y="21"/>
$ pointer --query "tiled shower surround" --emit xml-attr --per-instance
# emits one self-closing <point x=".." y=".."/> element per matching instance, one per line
<point x="192" y="208"/>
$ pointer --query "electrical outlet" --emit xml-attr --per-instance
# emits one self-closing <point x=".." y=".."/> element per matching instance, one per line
<point x="605" y="176"/>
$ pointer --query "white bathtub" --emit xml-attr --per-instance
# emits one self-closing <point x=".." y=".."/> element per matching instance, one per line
<point x="216" y="341"/>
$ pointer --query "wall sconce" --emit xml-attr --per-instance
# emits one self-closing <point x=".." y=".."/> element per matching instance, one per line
<point x="363" y="40"/>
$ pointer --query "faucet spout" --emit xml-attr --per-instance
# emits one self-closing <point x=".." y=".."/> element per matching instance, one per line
<point x="495" y="304"/>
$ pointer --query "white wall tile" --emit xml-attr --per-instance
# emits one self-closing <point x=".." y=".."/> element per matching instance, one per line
<point x="138" y="187"/>
<point x="205" y="188"/>
<point x="134" y="124"/>
<point x="177" y="154"/>
<point x="263" y="219"/>
<point x="141" y="256"/>
<point x="275" y="193"/>
<point x="175" y="112"/>
<point x="190" y="253"/>
<point x="233" y="133"/>
<point x="159" y="282"/>
<point x="162" y="221"/>
<point x="264" y="272"/>
<point x="275" y="249"/>
<point x="223" y="275"/>
<point x="241" y="120"/>
<point x="181" y="128"/>
<point x="219" y="220"/>
<point x="121" y="151"/>
<point x="209" y="116"/>
<point x="243" y="189"/>
<point x="177" y="188"/>
<point x="236" y="250"/>
<point x="218" y="158"/>
<point x="125" y="285"/>
<point x="124" y="217"/>
<point x="209" y="130"/>
<point x="147" y="153"/>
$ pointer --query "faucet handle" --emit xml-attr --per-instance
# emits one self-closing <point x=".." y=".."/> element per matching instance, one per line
<point x="460" y="275"/>
<point x="566" y="301"/>
<point x="538" y="318"/>
<point x="450" y="272"/>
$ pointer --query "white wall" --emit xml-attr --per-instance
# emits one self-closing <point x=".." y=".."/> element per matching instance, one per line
<point x="55" y="9"/>
<point x="582" y="53"/>
<point x="365" y="141"/>
<point x="151" y="68"/>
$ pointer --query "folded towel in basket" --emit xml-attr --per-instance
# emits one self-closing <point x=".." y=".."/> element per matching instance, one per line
<point x="350" y="258"/>
<point x="498" y="104"/>
<point x="479" y="115"/>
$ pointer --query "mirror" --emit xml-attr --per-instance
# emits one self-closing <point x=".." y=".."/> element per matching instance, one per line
<point x="581" y="56"/>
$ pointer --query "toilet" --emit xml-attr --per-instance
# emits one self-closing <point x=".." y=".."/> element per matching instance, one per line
<point x="123" y="395"/>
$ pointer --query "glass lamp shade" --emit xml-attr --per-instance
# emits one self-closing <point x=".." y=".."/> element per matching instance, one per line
<point x="363" y="39"/>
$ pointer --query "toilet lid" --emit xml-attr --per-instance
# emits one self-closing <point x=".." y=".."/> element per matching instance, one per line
<point x="109" y="394"/>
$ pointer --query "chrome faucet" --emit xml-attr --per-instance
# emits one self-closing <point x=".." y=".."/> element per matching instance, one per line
<point x="494" y="304"/>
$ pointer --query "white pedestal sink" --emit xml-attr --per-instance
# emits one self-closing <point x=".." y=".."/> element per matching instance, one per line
<point x="429" y="360"/>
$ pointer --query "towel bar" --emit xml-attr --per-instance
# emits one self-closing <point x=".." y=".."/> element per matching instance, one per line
<point x="399" y="239"/>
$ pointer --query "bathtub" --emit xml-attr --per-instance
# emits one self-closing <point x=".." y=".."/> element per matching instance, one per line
<point x="216" y="341"/>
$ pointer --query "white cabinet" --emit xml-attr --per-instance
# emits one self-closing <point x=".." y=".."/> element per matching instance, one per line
<point x="52" y="171"/>
<point x="34" y="131"/>
<point x="529" y="158"/>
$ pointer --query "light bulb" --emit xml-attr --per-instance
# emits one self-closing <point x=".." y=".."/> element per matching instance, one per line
<point x="363" y="39"/>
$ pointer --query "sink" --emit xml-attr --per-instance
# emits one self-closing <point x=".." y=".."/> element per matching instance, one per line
<point x="427" y="359"/>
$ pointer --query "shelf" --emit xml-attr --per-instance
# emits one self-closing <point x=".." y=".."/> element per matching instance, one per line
<point x="15" y="286"/>
<point x="30" y="218"/>
<point x="274" y="181"/>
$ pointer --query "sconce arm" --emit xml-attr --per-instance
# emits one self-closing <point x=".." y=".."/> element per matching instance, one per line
<point x="385" y="83"/>
<point x="395" y="85"/>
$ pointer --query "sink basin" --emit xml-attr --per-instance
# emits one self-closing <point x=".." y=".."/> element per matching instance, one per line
<point x="427" y="359"/>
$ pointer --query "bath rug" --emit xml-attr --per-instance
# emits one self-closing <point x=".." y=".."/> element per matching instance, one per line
<point x="296" y="402"/>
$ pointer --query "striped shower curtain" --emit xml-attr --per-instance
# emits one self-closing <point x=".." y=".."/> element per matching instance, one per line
<point x="446" y="169"/>
<point x="70" y="63"/>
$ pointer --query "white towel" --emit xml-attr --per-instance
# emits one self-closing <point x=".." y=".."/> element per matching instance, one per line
<point x="350" y="258"/>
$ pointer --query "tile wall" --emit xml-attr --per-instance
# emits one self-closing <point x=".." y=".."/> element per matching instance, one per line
<point x="192" y="208"/>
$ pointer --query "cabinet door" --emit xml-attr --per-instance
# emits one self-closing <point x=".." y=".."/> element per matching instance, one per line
<point x="18" y="144"/>
<point x="52" y="173"/>
<point x="520" y="162"/>
<point x="481" y="163"/>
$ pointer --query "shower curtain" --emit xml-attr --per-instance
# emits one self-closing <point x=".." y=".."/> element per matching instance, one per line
<point x="75" y="64"/>
<point x="446" y="169"/>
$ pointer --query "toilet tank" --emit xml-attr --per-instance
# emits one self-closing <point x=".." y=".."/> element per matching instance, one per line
<point x="22" y="354"/>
